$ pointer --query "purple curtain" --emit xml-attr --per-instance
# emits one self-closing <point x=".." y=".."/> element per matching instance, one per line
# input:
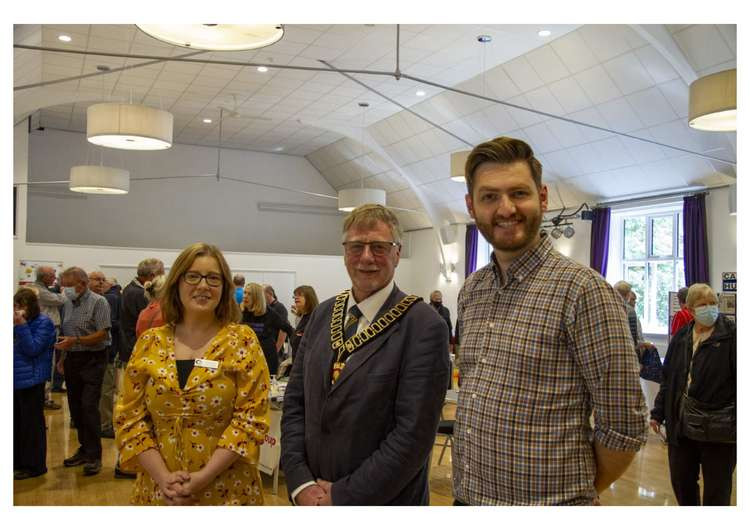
<point x="600" y="240"/>
<point x="471" y="249"/>
<point x="696" y="239"/>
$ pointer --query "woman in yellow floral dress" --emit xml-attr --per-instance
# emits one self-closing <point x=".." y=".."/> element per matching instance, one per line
<point x="193" y="411"/>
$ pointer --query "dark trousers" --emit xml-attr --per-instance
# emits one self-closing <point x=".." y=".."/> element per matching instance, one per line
<point x="716" y="461"/>
<point x="29" y="436"/>
<point x="84" y="372"/>
<point x="57" y="377"/>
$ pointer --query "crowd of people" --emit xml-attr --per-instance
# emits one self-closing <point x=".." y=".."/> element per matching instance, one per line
<point x="550" y="409"/>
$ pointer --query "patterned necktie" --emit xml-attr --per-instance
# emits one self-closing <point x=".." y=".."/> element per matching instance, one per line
<point x="350" y="329"/>
<point x="350" y="326"/>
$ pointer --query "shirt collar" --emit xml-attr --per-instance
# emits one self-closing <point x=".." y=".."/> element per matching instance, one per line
<point x="372" y="304"/>
<point x="139" y="284"/>
<point x="524" y="264"/>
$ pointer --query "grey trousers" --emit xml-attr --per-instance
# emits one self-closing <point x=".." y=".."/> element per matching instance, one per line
<point x="106" y="402"/>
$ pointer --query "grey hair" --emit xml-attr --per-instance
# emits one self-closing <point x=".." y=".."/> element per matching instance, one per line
<point x="622" y="287"/>
<point x="42" y="271"/>
<point x="149" y="267"/>
<point x="368" y="215"/>
<point x="696" y="292"/>
<point x="78" y="272"/>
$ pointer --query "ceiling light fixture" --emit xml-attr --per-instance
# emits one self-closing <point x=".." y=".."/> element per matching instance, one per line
<point x="262" y="69"/>
<point x="458" y="165"/>
<point x="129" y="126"/>
<point x="713" y="102"/>
<point x="278" y="149"/>
<point x="544" y="33"/>
<point x="207" y="120"/>
<point x="216" y="37"/>
<point x="64" y="38"/>
<point x="101" y="180"/>
<point x="421" y="93"/>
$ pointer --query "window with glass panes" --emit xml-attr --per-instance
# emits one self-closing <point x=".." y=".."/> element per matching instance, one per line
<point x="653" y="264"/>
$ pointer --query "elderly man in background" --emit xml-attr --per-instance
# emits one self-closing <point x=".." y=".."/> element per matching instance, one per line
<point x="50" y="303"/>
<point x="100" y="285"/>
<point x="85" y="340"/>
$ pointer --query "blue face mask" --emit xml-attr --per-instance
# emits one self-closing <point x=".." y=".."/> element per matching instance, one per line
<point x="706" y="315"/>
<point x="70" y="293"/>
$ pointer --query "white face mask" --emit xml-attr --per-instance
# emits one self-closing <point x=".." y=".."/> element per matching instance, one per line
<point x="706" y="315"/>
<point x="70" y="293"/>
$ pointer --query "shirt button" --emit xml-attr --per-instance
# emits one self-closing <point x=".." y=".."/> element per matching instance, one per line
<point x="484" y="360"/>
<point x="474" y="396"/>
<point x="468" y="431"/>
<point x="491" y="324"/>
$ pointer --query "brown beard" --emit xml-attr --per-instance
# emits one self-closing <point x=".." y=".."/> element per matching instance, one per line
<point x="531" y="231"/>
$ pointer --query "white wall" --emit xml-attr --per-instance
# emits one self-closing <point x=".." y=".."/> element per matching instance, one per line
<point x="172" y="213"/>
<point x="722" y="236"/>
<point x="425" y="264"/>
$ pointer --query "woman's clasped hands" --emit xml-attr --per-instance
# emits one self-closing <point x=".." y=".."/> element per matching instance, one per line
<point x="180" y="488"/>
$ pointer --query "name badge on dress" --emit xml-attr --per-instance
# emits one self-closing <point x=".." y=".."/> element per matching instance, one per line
<point x="206" y="363"/>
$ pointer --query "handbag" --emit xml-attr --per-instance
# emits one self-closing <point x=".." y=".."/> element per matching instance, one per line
<point x="706" y="423"/>
<point x="651" y="368"/>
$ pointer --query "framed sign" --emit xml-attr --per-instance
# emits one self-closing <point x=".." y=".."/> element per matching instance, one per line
<point x="729" y="282"/>
<point x="27" y="269"/>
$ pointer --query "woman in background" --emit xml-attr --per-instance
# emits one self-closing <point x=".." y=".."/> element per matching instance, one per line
<point x="151" y="316"/>
<point x="33" y="343"/>
<point x="305" y="300"/>
<point x="270" y="328"/>
<point x="194" y="408"/>
<point x="697" y="402"/>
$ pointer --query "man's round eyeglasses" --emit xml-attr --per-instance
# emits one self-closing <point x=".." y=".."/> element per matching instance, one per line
<point x="194" y="278"/>
<point x="378" y="248"/>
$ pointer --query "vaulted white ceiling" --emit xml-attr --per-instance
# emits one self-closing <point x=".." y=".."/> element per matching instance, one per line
<point x="625" y="79"/>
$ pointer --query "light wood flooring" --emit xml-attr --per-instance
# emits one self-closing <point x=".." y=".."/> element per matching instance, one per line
<point x="646" y="482"/>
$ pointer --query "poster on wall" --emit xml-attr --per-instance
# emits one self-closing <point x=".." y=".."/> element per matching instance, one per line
<point x="728" y="305"/>
<point x="27" y="269"/>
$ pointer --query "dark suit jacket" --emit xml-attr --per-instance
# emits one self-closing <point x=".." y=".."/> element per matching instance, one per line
<point x="370" y="433"/>
<point x="133" y="301"/>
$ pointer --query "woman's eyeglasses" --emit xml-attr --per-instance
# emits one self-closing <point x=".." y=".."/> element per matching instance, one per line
<point x="194" y="278"/>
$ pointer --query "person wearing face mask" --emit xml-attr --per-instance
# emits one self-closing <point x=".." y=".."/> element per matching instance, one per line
<point x="436" y="302"/>
<point x="697" y="402"/>
<point x="85" y="341"/>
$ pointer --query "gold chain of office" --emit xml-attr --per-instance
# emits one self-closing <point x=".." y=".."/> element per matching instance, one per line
<point x="373" y="330"/>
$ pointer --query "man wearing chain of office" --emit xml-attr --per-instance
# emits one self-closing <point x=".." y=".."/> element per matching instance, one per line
<point x="364" y="397"/>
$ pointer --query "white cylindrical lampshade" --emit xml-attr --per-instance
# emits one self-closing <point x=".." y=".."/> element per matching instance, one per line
<point x="216" y="37"/>
<point x="349" y="199"/>
<point x="713" y="102"/>
<point x="129" y="126"/>
<point x="99" y="179"/>
<point x="458" y="165"/>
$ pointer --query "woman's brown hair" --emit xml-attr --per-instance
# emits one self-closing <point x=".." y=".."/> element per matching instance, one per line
<point x="29" y="300"/>
<point x="311" y="299"/>
<point x="171" y="307"/>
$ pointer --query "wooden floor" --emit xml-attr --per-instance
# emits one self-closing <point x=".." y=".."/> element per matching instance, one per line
<point x="645" y="483"/>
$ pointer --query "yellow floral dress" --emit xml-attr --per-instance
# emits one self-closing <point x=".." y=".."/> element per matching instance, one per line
<point x="223" y="407"/>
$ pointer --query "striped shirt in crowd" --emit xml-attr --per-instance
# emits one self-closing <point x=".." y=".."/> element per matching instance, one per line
<point x="539" y="352"/>
<point x="86" y="315"/>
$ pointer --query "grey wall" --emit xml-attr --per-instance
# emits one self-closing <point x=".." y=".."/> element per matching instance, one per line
<point x="174" y="213"/>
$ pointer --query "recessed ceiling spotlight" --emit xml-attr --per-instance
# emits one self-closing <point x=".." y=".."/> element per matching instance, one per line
<point x="421" y="93"/>
<point x="484" y="38"/>
<point x="207" y="120"/>
<point x="544" y="33"/>
<point x="64" y="38"/>
<point x="278" y="149"/>
<point x="262" y="69"/>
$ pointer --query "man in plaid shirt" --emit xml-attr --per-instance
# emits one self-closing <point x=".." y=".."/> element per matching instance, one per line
<point x="544" y="343"/>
